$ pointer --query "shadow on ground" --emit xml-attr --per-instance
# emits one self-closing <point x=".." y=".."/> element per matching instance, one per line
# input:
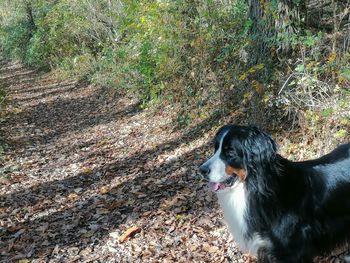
<point x="80" y="210"/>
<point x="78" y="218"/>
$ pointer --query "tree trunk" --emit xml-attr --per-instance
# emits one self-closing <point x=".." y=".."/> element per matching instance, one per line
<point x="29" y="12"/>
<point x="272" y="26"/>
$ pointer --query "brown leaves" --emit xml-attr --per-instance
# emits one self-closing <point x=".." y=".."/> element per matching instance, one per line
<point x="88" y="163"/>
<point x="210" y="248"/>
<point x="129" y="232"/>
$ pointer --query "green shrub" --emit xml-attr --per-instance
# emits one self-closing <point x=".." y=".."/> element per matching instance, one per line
<point x="193" y="53"/>
<point x="15" y="38"/>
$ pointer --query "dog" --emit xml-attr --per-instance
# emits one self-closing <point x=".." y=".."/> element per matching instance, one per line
<point x="279" y="210"/>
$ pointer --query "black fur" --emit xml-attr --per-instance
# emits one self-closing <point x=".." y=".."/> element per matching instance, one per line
<point x="303" y="208"/>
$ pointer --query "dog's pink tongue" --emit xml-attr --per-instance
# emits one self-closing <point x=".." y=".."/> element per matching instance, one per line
<point x="214" y="186"/>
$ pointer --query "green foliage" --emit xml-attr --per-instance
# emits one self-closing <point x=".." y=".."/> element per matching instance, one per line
<point x="345" y="73"/>
<point x="166" y="47"/>
<point x="149" y="47"/>
<point x="37" y="50"/>
<point x="15" y="39"/>
<point x="193" y="53"/>
<point x="327" y="112"/>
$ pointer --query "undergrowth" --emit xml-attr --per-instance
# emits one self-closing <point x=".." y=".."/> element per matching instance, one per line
<point x="194" y="54"/>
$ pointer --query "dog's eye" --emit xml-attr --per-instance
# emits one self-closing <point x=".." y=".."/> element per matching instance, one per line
<point x="229" y="151"/>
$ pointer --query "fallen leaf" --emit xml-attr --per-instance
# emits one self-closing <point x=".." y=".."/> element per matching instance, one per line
<point x="211" y="249"/>
<point x="104" y="190"/>
<point x="132" y="230"/>
<point x="73" y="196"/>
<point x="115" y="204"/>
<point x="86" y="170"/>
<point x="147" y="213"/>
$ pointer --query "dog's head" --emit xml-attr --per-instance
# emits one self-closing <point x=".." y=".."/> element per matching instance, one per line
<point x="239" y="152"/>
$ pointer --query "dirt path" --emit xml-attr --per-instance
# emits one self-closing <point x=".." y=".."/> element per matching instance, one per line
<point x="83" y="166"/>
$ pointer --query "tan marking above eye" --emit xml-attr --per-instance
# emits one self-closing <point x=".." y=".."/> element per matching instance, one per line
<point x="242" y="174"/>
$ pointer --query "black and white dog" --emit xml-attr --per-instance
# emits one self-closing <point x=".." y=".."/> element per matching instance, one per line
<point x="276" y="209"/>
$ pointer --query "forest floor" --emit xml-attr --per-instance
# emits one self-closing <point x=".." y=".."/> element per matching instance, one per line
<point x="84" y="166"/>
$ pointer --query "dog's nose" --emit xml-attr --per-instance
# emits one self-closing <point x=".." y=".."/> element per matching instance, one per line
<point x="205" y="170"/>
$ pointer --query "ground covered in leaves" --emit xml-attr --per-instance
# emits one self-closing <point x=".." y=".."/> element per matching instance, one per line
<point x="89" y="177"/>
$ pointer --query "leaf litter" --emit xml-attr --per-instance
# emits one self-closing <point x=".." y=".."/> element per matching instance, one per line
<point x="89" y="177"/>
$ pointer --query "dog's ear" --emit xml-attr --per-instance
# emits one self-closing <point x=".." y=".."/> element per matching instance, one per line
<point x="259" y="145"/>
<point x="260" y="153"/>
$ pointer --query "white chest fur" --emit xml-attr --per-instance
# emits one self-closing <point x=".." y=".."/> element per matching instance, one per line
<point x="234" y="205"/>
